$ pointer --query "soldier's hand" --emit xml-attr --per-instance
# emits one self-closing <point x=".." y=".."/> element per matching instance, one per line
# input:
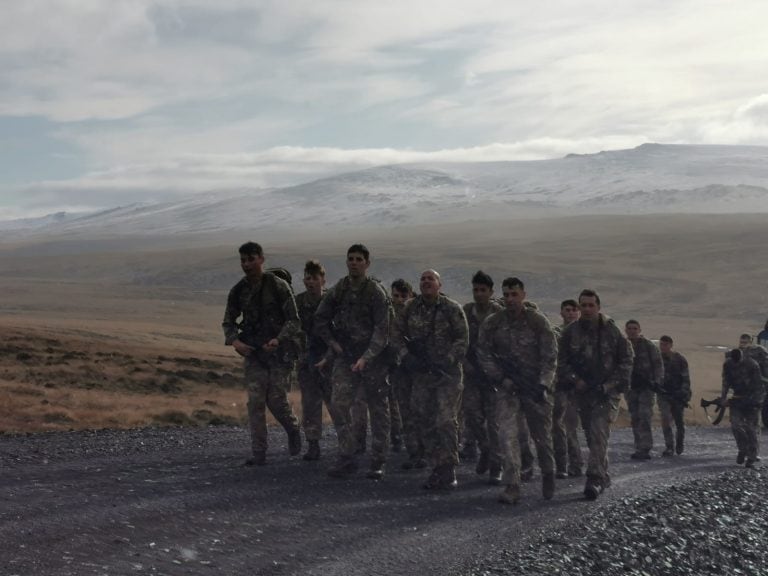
<point x="242" y="348"/>
<point x="271" y="345"/>
<point x="359" y="366"/>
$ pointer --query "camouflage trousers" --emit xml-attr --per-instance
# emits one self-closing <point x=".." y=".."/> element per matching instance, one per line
<point x="510" y="410"/>
<point x="671" y="413"/>
<point x="479" y="408"/>
<point x="360" y="417"/>
<point x="402" y="385"/>
<point x="565" y="435"/>
<point x="640" y="403"/>
<point x="267" y="388"/>
<point x="315" y="389"/>
<point x="435" y="400"/>
<point x="745" y="425"/>
<point x="350" y="388"/>
<point x="597" y="413"/>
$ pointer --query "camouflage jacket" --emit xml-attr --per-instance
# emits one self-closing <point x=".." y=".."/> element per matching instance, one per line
<point x="354" y="317"/>
<point x="520" y="347"/>
<point x="760" y="355"/>
<point x="597" y="353"/>
<point x="475" y="318"/>
<point x="648" y="368"/>
<point x="436" y="331"/>
<point x="313" y="347"/>
<point x="677" y="380"/>
<point x="268" y="310"/>
<point x="743" y="378"/>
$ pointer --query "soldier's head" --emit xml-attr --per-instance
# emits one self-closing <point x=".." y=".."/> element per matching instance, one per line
<point x="402" y="291"/>
<point x="589" y="303"/>
<point x="430" y="284"/>
<point x="482" y="287"/>
<point x="569" y="311"/>
<point x="632" y="329"/>
<point x="735" y="355"/>
<point x="666" y="344"/>
<point x="745" y="340"/>
<point x="358" y="260"/>
<point x="314" y="277"/>
<point x="513" y="290"/>
<point x="251" y="259"/>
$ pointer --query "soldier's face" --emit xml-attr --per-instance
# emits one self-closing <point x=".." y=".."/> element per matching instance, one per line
<point x="632" y="331"/>
<point x="251" y="264"/>
<point x="399" y="297"/>
<point x="744" y="342"/>
<point x="665" y="347"/>
<point x="482" y="293"/>
<point x="429" y="284"/>
<point x="514" y="296"/>
<point x="590" y="309"/>
<point x="314" y="283"/>
<point x="570" y="314"/>
<point x="357" y="264"/>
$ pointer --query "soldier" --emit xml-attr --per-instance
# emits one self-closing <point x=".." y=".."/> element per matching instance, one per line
<point x="479" y="396"/>
<point x="760" y="355"/>
<point x="565" y="415"/>
<point x="517" y="349"/>
<point x="432" y="339"/>
<point x="402" y="385"/>
<point x="269" y="323"/>
<point x="674" y="395"/>
<point x="742" y="375"/>
<point x="313" y="381"/>
<point x="647" y="376"/>
<point x="353" y="320"/>
<point x="596" y="359"/>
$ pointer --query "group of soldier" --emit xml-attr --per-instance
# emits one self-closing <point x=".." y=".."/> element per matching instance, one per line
<point x="420" y="365"/>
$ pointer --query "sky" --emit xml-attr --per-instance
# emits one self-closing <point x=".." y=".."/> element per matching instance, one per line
<point x="106" y="103"/>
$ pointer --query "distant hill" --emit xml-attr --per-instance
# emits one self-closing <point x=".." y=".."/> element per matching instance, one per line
<point x="651" y="178"/>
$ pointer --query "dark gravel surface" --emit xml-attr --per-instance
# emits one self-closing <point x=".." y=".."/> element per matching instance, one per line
<point x="179" y="501"/>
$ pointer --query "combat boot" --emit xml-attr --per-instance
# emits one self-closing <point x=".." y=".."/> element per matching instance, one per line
<point x="749" y="463"/>
<point x="494" y="475"/>
<point x="593" y="488"/>
<point x="313" y="452"/>
<point x="259" y="458"/>
<point x="740" y="458"/>
<point x="668" y="452"/>
<point x="344" y="466"/>
<point x="510" y="494"/>
<point x="640" y="456"/>
<point x="482" y="463"/>
<point x="294" y="442"/>
<point x="448" y="478"/>
<point x="680" y="443"/>
<point x="561" y="474"/>
<point x="376" y="470"/>
<point x="548" y="485"/>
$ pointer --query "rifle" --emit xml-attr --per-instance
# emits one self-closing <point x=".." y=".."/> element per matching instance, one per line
<point x="417" y="359"/>
<point x="509" y="371"/>
<point x="719" y="410"/>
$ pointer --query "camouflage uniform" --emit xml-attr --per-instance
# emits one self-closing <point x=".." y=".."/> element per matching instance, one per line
<point x="268" y="310"/>
<point x="479" y="396"/>
<point x="315" y="384"/>
<point x="760" y="355"/>
<point x="357" y="319"/>
<point x="748" y="395"/>
<point x="401" y="384"/>
<point x="565" y="424"/>
<point x="599" y="354"/>
<point x="674" y="395"/>
<point x="432" y="339"/>
<point x="647" y="376"/>
<point x="522" y="348"/>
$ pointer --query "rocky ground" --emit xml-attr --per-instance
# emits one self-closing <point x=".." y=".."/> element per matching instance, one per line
<point x="179" y="501"/>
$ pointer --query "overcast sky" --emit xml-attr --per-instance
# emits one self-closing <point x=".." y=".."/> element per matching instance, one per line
<point x="107" y="102"/>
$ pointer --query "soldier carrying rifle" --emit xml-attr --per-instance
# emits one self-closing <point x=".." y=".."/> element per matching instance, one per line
<point x="674" y="395"/>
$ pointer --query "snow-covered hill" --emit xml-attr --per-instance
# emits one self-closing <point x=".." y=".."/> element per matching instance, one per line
<point x="648" y="179"/>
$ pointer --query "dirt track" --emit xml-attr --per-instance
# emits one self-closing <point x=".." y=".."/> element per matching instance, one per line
<point x="178" y="501"/>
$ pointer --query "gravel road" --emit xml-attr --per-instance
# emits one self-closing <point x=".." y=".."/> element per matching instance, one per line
<point x="179" y="501"/>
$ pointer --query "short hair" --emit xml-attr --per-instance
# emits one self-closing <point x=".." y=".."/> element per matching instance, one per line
<point x="481" y="277"/>
<point x="589" y="293"/>
<point x="402" y="286"/>
<point x="570" y="302"/>
<point x="360" y="249"/>
<point x="632" y="321"/>
<point x="314" y="268"/>
<point x="251" y="249"/>
<point x="513" y="282"/>
<point x="746" y="337"/>
<point x="667" y="339"/>
<point x="735" y="355"/>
